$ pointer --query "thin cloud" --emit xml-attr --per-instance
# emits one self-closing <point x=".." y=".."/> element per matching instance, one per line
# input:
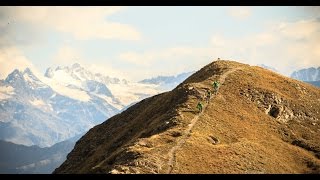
<point x="107" y="70"/>
<point x="67" y="55"/>
<point x="239" y="13"/>
<point x="167" y="61"/>
<point x="286" y="46"/>
<point x="276" y="46"/>
<point x="82" y="22"/>
<point x="11" y="58"/>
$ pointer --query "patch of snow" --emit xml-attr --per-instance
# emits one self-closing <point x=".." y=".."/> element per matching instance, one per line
<point x="127" y="93"/>
<point x="73" y="93"/>
<point x="7" y="89"/>
<point x="109" y="101"/>
<point x="27" y="78"/>
<point x="6" y="92"/>
<point x="53" y="95"/>
<point x="65" y="79"/>
<point x="4" y="96"/>
<point x="37" y="102"/>
<point x="38" y="84"/>
<point x="76" y="74"/>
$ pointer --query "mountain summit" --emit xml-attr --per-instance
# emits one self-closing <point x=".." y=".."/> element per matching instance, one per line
<point x="259" y="122"/>
<point x="76" y="72"/>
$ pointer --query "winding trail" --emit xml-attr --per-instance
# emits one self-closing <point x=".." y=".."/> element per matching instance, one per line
<point x="186" y="133"/>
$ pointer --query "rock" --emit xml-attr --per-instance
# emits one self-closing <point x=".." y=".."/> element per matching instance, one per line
<point x="142" y="143"/>
<point x="176" y="134"/>
<point x="114" y="171"/>
<point x="314" y="124"/>
<point x="214" y="140"/>
<point x="276" y="111"/>
<point x="268" y="109"/>
<point x="290" y="113"/>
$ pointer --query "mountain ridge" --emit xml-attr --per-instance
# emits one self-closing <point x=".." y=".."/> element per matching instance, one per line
<point x="260" y="122"/>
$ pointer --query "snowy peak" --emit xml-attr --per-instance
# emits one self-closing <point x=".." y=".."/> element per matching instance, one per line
<point x="32" y="80"/>
<point x="28" y="72"/>
<point x="49" y="73"/>
<point x="21" y="75"/>
<point x="24" y="80"/>
<point x="78" y="73"/>
<point x="78" y="80"/>
<point x="15" y="76"/>
<point x="76" y="65"/>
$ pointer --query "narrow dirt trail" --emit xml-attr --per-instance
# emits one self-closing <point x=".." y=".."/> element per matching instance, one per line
<point x="186" y="133"/>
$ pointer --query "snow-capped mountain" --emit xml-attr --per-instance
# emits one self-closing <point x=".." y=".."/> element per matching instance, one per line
<point x="79" y="73"/>
<point x="308" y="74"/>
<point x="64" y="102"/>
<point x="166" y="83"/>
<point x="117" y="92"/>
<point x="33" y="113"/>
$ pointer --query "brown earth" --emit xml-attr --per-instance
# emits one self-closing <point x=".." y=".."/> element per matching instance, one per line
<point x="259" y="122"/>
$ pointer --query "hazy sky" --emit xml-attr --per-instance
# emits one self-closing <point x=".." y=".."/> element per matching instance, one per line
<point x="139" y="42"/>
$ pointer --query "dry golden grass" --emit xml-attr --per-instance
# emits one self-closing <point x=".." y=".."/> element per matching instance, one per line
<point x="236" y="133"/>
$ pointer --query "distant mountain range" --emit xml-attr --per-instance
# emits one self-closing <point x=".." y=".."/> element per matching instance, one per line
<point x="20" y="159"/>
<point x="44" y="112"/>
<point x="40" y="113"/>
<point x="310" y="75"/>
<point x="167" y="82"/>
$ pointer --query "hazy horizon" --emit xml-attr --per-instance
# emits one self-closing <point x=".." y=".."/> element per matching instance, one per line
<point x="136" y="43"/>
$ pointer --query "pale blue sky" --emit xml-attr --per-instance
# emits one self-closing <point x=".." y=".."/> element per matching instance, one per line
<point x="139" y="42"/>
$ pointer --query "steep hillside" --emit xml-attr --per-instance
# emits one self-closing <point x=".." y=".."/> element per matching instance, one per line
<point x="259" y="122"/>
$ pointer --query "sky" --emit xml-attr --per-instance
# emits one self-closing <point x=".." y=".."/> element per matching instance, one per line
<point x="142" y="42"/>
